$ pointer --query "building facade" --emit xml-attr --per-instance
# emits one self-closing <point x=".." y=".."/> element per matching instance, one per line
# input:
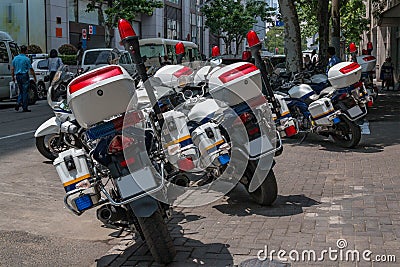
<point x="384" y="33"/>
<point x="52" y="23"/>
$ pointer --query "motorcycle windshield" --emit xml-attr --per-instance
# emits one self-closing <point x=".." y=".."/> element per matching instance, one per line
<point x="214" y="121"/>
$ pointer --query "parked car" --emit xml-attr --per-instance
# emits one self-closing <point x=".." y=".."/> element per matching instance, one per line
<point x="279" y="63"/>
<point x="8" y="50"/>
<point x="99" y="57"/>
<point x="41" y="68"/>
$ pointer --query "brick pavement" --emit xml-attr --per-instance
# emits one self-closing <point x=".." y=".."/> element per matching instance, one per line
<point x="325" y="193"/>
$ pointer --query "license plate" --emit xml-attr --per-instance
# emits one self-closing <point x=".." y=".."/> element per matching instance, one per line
<point x="136" y="183"/>
<point x="355" y="111"/>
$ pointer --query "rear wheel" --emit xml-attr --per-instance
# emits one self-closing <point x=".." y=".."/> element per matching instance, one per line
<point x="157" y="237"/>
<point x="267" y="192"/>
<point x="51" y="145"/>
<point x="348" y="133"/>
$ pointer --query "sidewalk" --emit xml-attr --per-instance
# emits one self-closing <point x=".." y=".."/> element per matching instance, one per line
<point x="326" y="193"/>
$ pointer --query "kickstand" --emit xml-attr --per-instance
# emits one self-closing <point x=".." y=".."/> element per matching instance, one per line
<point x="304" y="138"/>
<point x="118" y="233"/>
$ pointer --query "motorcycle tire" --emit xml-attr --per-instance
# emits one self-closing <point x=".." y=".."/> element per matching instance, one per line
<point x="267" y="192"/>
<point x="352" y="135"/>
<point x="157" y="237"/>
<point x="41" y="91"/>
<point x="42" y="146"/>
<point x="32" y="94"/>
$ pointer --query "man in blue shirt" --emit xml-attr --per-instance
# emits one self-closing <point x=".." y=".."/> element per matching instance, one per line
<point x="19" y="69"/>
<point x="333" y="59"/>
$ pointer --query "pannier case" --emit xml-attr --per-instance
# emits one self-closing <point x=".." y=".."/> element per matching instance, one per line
<point x="72" y="168"/>
<point x="321" y="110"/>
<point x="367" y="62"/>
<point x="236" y="83"/>
<point x="100" y="94"/>
<point x="344" y="74"/>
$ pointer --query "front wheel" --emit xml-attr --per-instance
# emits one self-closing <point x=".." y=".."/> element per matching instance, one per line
<point x="51" y="145"/>
<point x="157" y="237"/>
<point x="347" y="133"/>
<point x="41" y="91"/>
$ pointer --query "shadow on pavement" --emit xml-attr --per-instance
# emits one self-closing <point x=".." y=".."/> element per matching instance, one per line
<point x="190" y="252"/>
<point x="283" y="206"/>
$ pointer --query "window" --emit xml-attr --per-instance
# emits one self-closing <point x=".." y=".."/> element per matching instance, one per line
<point x="125" y="59"/>
<point x="14" y="49"/>
<point x="151" y="51"/>
<point x="43" y="64"/>
<point x="174" y="1"/>
<point x="3" y="53"/>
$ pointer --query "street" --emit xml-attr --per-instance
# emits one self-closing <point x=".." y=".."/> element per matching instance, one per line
<point x="36" y="229"/>
<point x="327" y="194"/>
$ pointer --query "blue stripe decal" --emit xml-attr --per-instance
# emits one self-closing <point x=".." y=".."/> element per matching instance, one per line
<point x="186" y="142"/>
<point x="304" y="97"/>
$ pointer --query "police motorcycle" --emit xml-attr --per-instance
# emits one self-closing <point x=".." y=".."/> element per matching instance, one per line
<point x="188" y="138"/>
<point x="58" y="133"/>
<point x="337" y="111"/>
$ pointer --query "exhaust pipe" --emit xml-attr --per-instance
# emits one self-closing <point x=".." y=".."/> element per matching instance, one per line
<point x="109" y="214"/>
<point x="181" y="180"/>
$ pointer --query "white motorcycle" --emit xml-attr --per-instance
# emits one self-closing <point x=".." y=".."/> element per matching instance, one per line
<point x="58" y="134"/>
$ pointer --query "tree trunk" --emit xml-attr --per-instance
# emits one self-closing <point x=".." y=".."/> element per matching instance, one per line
<point x="336" y="26"/>
<point x="292" y="35"/>
<point x="323" y="31"/>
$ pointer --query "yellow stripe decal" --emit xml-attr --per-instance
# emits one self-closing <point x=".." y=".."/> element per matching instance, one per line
<point x="323" y="114"/>
<point x="216" y="144"/>
<point x="177" y="141"/>
<point x="76" y="180"/>
<point x="287" y="112"/>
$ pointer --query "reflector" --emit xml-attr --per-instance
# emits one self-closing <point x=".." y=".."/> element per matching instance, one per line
<point x="183" y="71"/>
<point x="252" y="38"/>
<point x="290" y="131"/>
<point x="179" y="48"/>
<point x="94" y="77"/>
<point x="185" y="164"/>
<point x="351" y="67"/>
<point x="237" y="72"/>
<point x="125" y="29"/>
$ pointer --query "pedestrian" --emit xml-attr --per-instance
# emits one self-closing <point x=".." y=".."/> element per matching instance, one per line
<point x="54" y="62"/>
<point x="387" y="74"/>
<point x="333" y="59"/>
<point x="79" y="54"/>
<point x="307" y="62"/>
<point x="20" y="68"/>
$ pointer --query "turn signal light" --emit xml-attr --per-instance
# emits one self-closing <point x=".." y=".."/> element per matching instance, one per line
<point x="252" y="38"/>
<point x="125" y="29"/>
<point x="179" y="48"/>
<point x="215" y="52"/>
<point x="290" y="131"/>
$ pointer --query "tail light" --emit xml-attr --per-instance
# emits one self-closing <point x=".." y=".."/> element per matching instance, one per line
<point x="358" y="85"/>
<point x="127" y="162"/>
<point x="186" y="164"/>
<point x="370" y="103"/>
<point x="243" y="118"/>
<point x="119" y="143"/>
<point x="253" y="131"/>
<point x="290" y="131"/>
<point x="343" y="96"/>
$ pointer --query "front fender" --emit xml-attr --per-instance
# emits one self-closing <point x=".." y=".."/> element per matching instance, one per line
<point x="144" y="207"/>
<point x="51" y="126"/>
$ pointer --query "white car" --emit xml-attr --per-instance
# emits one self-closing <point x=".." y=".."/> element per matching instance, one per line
<point x="41" y="68"/>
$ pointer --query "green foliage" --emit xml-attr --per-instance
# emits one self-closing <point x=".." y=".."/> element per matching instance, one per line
<point x="34" y="49"/>
<point x="127" y="9"/>
<point x="67" y="49"/>
<point x="68" y="59"/>
<point x="230" y="20"/>
<point x="275" y="38"/>
<point x="353" y="21"/>
<point x="306" y="10"/>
